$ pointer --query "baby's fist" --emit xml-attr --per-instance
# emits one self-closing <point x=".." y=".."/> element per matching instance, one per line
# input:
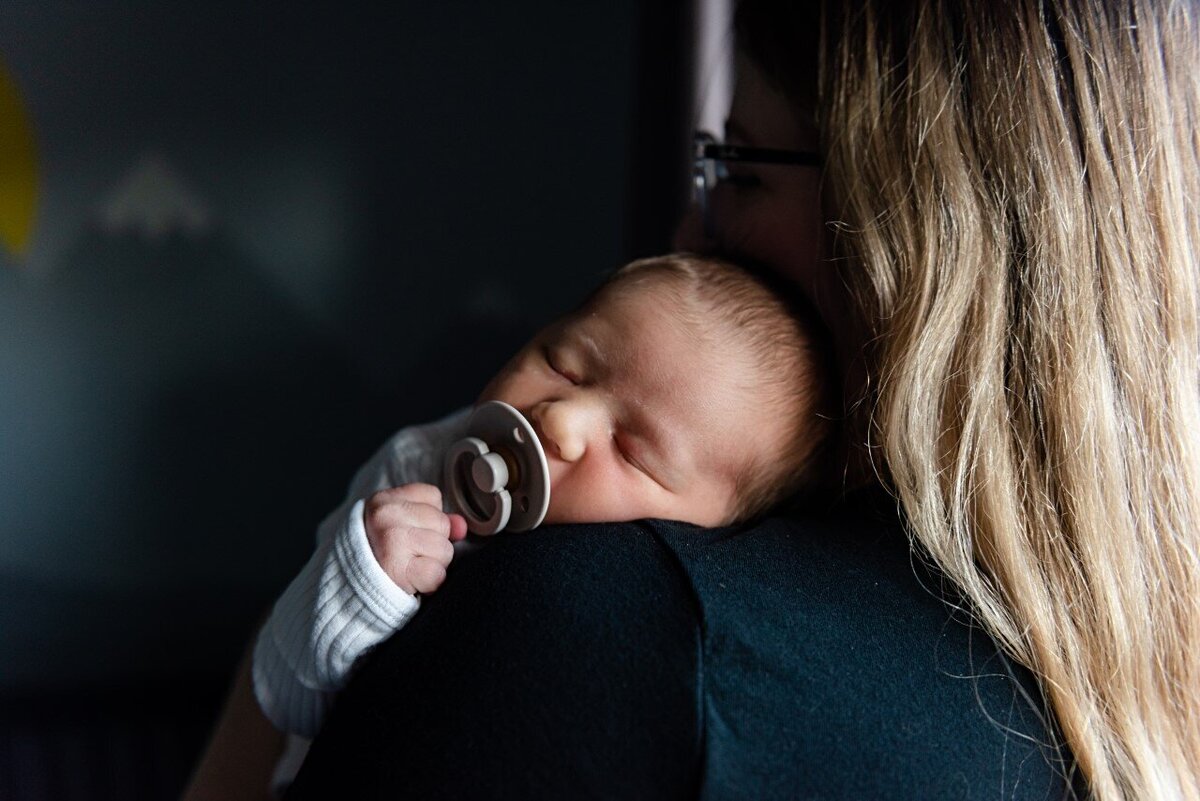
<point x="411" y="537"/>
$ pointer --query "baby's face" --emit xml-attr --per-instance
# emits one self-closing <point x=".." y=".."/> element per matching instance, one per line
<point x="639" y="416"/>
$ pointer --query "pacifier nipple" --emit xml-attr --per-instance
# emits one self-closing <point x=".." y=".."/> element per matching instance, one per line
<point x="497" y="476"/>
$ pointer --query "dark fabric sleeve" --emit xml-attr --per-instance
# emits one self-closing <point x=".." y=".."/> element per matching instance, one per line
<point x="806" y="657"/>
<point x="561" y="664"/>
<point x="837" y="667"/>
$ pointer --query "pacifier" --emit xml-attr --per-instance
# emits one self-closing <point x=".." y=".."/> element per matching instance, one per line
<point x="497" y="477"/>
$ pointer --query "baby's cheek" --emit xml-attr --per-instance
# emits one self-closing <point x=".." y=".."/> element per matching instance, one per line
<point x="569" y="503"/>
<point x="593" y="498"/>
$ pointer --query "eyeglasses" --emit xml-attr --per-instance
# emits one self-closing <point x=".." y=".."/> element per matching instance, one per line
<point x="709" y="168"/>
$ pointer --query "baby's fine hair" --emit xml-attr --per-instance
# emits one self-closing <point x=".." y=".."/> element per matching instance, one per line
<point x="791" y="362"/>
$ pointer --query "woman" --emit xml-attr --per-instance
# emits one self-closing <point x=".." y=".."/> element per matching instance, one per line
<point x="1012" y="189"/>
<point x="1002" y="235"/>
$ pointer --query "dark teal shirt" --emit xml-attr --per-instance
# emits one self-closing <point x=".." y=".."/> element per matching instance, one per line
<point x="802" y="657"/>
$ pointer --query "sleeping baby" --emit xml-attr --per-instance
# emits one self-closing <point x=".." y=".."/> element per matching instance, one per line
<point x="682" y="389"/>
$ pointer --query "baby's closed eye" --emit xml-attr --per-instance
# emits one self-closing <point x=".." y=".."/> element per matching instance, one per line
<point x="561" y="365"/>
<point x="629" y="453"/>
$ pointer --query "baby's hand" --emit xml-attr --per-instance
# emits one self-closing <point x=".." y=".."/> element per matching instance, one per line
<point x="411" y="536"/>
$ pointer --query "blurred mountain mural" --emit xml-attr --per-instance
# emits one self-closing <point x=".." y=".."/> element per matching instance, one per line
<point x="158" y="394"/>
<point x="241" y="244"/>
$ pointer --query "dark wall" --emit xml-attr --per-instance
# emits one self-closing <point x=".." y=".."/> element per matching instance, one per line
<point x="268" y="235"/>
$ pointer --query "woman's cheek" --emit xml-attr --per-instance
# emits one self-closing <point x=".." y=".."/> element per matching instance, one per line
<point x="787" y="238"/>
<point x="689" y="233"/>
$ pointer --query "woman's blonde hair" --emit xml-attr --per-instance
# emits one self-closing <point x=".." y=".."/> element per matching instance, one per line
<point x="1015" y="190"/>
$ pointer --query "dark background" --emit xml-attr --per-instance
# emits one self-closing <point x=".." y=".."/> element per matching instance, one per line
<point x="334" y="220"/>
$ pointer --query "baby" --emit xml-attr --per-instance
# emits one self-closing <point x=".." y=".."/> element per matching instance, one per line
<point x="683" y="389"/>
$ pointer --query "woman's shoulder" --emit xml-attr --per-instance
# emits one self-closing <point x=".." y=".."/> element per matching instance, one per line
<point x="821" y="634"/>
<point x="653" y="658"/>
<point x="555" y="664"/>
<point x="826" y="636"/>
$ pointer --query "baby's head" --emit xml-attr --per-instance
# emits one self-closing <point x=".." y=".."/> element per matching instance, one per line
<point x="683" y="389"/>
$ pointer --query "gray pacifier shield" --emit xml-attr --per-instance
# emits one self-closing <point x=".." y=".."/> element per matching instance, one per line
<point x="497" y="477"/>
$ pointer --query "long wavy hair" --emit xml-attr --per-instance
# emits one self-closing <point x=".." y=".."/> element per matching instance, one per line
<point x="1015" y="190"/>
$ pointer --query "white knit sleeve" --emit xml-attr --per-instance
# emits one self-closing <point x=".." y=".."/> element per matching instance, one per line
<point x="341" y="605"/>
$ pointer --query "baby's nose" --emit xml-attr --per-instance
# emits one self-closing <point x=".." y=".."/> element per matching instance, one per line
<point x="565" y="427"/>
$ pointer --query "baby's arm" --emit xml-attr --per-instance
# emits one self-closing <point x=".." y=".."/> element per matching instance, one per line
<point x="356" y="590"/>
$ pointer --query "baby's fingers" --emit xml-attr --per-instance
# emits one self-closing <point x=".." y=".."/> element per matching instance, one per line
<point x="405" y="515"/>
<point x="412" y="493"/>
<point x="458" y="527"/>
<point x="432" y="544"/>
<point x="425" y="574"/>
<point x="395" y="553"/>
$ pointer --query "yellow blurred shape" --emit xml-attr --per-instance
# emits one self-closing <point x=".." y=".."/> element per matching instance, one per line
<point x="18" y="169"/>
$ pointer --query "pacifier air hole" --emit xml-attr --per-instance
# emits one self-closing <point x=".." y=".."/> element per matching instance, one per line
<point x="518" y="435"/>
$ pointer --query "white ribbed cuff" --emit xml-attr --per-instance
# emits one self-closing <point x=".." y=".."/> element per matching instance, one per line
<point x="379" y="594"/>
<point x="287" y="703"/>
